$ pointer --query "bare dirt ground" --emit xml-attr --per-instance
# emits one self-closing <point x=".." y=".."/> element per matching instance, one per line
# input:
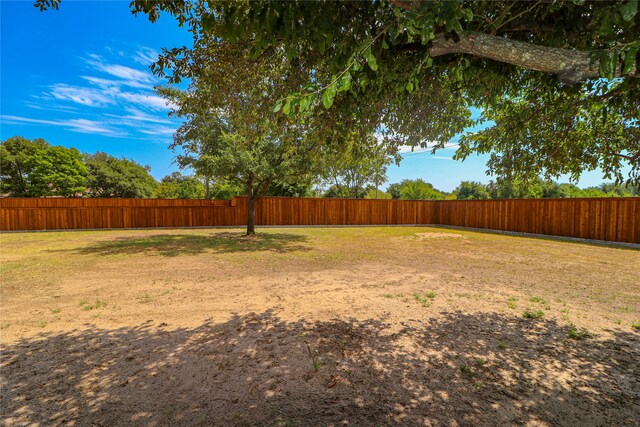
<point x="370" y="326"/>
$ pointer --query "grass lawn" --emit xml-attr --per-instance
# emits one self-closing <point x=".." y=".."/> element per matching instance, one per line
<point x="318" y="326"/>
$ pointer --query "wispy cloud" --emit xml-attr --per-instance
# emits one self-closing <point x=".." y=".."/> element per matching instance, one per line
<point x="76" y="125"/>
<point x="110" y="83"/>
<point x="88" y="96"/>
<point x="159" y="130"/>
<point x="153" y="102"/>
<point x="114" y="98"/>
<point x="130" y="76"/>
<point x="139" y="116"/>
<point x="145" y="56"/>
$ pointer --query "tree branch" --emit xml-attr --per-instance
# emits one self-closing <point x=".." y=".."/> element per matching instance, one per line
<point x="571" y="66"/>
<point x="402" y="4"/>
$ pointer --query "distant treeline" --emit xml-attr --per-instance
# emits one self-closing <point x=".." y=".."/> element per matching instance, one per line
<point x="505" y="189"/>
<point x="34" y="168"/>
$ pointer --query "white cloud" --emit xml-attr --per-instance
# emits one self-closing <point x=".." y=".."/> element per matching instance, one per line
<point x="128" y="76"/>
<point x="139" y="116"/>
<point x="145" y="56"/>
<point x="81" y="95"/>
<point x="121" y="71"/>
<point x="89" y="126"/>
<point x="159" y="130"/>
<point x="108" y="93"/>
<point x="110" y="83"/>
<point x="125" y="73"/>
<point x="75" y="125"/>
<point x="121" y="98"/>
<point x="153" y="102"/>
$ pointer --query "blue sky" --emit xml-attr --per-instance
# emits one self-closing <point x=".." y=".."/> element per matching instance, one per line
<point x="79" y="77"/>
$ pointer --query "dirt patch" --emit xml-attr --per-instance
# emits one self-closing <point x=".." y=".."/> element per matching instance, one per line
<point x="370" y="326"/>
<point x="435" y="235"/>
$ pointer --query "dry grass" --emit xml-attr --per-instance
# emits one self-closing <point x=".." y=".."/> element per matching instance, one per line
<point x="313" y="317"/>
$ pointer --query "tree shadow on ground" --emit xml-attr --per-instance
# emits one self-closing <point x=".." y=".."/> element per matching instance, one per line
<point x="257" y="369"/>
<point x="188" y="244"/>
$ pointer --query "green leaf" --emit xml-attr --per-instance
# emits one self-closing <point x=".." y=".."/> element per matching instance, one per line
<point x="321" y="47"/>
<point x="608" y="62"/>
<point x="278" y="105"/>
<point x="429" y="62"/>
<point x="329" y="95"/>
<point x="629" y="60"/>
<point x="629" y="10"/>
<point x="409" y="87"/>
<point x="305" y="103"/>
<point x="365" y="44"/>
<point x="457" y="74"/>
<point x="287" y="106"/>
<point x="371" y="60"/>
<point x="345" y="82"/>
<point x="454" y="25"/>
<point x="467" y="14"/>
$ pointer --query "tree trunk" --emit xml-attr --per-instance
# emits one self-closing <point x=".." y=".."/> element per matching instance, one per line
<point x="251" y="216"/>
<point x="207" y="190"/>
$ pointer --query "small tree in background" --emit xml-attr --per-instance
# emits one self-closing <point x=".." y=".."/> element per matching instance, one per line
<point x="415" y="189"/>
<point x="376" y="193"/>
<point x="356" y="164"/>
<point x="471" y="190"/>
<point x="178" y="186"/>
<point x="109" y="176"/>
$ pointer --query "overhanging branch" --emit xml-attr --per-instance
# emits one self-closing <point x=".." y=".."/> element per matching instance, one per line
<point x="571" y="66"/>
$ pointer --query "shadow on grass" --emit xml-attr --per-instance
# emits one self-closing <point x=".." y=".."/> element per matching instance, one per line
<point x="188" y="244"/>
<point x="258" y="369"/>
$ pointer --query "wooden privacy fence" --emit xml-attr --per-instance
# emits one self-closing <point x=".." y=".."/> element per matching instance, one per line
<point x="612" y="219"/>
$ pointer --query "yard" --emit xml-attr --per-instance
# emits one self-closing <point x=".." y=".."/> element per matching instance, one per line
<point x="317" y="326"/>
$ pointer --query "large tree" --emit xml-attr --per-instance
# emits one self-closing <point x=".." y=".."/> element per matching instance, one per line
<point x="36" y="169"/>
<point x="17" y="161"/>
<point x="558" y="78"/>
<point x="229" y="131"/>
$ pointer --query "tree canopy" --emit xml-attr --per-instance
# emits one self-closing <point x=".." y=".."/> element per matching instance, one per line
<point x="17" y="162"/>
<point x="414" y="189"/>
<point x="230" y="132"/>
<point x="471" y="190"/>
<point x="33" y="168"/>
<point x="109" y="176"/>
<point x="559" y="79"/>
<point x="358" y="163"/>
<point x="178" y="186"/>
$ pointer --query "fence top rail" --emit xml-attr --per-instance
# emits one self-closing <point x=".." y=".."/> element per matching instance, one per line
<point x="637" y="198"/>
<point x="5" y="201"/>
<point x="25" y="202"/>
